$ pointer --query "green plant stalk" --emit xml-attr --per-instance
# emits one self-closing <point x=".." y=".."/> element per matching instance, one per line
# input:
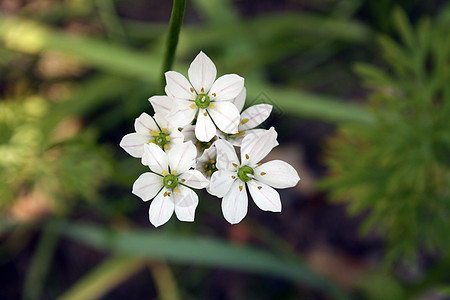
<point x="164" y="280"/>
<point x="108" y="275"/>
<point x="110" y="20"/>
<point x="37" y="272"/>
<point x="176" y="20"/>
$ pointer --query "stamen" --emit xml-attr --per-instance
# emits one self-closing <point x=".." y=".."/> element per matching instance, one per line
<point x="202" y="90"/>
<point x="214" y="94"/>
<point x="174" y="172"/>
<point x="259" y="187"/>
<point x="154" y="133"/>
<point x="165" y="194"/>
<point x="240" y="188"/>
<point x="235" y="135"/>
<point x="168" y="138"/>
<point x="205" y="114"/>
<point x="176" y="190"/>
<point x="234" y="177"/>
<point x="192" y="90"/>
<point x="244" y="121"/>
<point x="164" y="173"/>
<point x="164" y="130"/>
<point x="166" y="147"/>
<point x="193" y="106"/>
<point x="212" y="105"/>
<point x="234" y="165"/>
<point x="183" y="180"/>
<point x="263" y="173"/>
<point x="151" y="141"/>
<point x="246" y="156"/>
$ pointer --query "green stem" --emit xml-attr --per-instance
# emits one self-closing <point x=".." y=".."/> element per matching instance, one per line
<point x="39" y="267"/>
<point x="176" y="20"/>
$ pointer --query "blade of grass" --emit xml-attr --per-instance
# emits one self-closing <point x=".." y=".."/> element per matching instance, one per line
<point x="39" y="267"/>
<point x="198" y="251"/>
<point x="164" y="280"/>
<point x="108" y="275"/>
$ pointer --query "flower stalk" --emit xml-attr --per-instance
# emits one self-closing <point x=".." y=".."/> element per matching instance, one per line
<point x="176" y="20"/>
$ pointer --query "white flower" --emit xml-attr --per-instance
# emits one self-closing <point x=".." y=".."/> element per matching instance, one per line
<point x="209" y="99"/>
<point x="232" y="177"/>
<point x="206" y="163"/>
<point x="168" y="183"/>
<point x="150" y="130"/>
<point x="250" y="119"/>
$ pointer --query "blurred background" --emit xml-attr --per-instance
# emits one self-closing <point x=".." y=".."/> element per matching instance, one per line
<point x="361" y="96"/>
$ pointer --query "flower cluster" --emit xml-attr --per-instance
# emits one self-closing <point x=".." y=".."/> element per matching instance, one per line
<point x="191" y="143"/>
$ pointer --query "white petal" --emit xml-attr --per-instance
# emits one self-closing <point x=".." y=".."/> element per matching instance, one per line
<point x="144" y="124"/>
<point x="178" y="86"/>
<point x="226" y="156"/>
<point x="254" y="116"/>
<point x="161" y="208"/>
<point x="186" y="202"/>
<point x="134" y="143"/>
<point x="161" y="121"/>
<point x="193" y="179"/>
<point x="161" y="104"/>
<point x="202" y="73"/>
<point x="266" y="197"/>
<point x="235" y="203"/>
<point x="176" y="137"/>
<point x="155" y="158"/>
<point x="226" y="87"/>
<point x="189" y="133"/>
<point x="221" y="182"/>
<point x="239" y="100"/>
<point x="225" y="115"/>
<point x="147" y="186"/>
<point x="277" y="173"/>
<point x="256" y="146"/>
<point x="182" y="157"/>
<point x="182" y="113"/>
<point x="205" y="129"/>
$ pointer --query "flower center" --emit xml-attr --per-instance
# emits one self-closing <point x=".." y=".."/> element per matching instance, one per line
<point x="244" y="172"/>
<point x="210" y="167"/>
<point x="202" y="146"/>
<point x="161" y="139"/>
<point x="170" y="181"/>
<point x="202" y="101"/>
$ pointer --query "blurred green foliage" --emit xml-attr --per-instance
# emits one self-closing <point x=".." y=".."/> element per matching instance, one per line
<point x="51" y="166"/>
<point x="398" y="169"/>
<point x="391" y="159"/>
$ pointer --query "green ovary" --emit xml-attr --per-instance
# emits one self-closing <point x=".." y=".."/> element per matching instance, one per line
<point x="244" y="172"/>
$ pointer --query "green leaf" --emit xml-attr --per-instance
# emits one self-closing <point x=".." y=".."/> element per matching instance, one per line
<point x="404" y="28"/>
<point x="197" y="251"/>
